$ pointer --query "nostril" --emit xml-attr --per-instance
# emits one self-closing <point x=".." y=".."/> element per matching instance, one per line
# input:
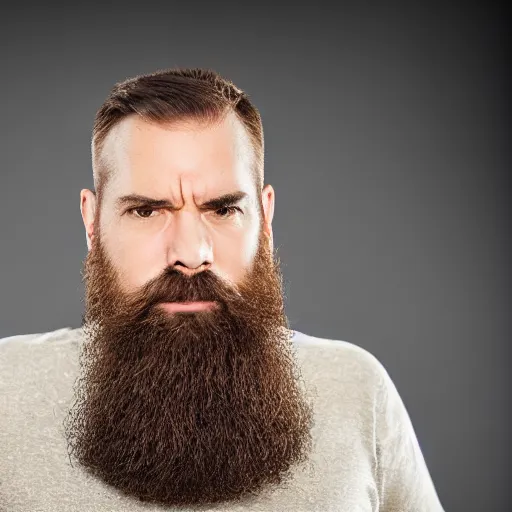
<point x="184" y="269"/>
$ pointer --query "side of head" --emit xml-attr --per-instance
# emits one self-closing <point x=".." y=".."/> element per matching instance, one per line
<point x="164" y="146"/>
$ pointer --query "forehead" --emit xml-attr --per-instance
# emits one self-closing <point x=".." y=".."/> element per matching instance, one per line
<point x="155" y="159"/>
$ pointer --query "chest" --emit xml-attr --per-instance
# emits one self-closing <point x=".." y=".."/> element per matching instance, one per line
<point x="37" y="474"/>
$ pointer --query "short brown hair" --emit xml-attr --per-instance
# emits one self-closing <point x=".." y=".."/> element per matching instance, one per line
<point x="173" y="95"/>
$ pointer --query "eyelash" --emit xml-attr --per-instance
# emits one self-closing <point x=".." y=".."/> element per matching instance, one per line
<point x="232" y="209"/>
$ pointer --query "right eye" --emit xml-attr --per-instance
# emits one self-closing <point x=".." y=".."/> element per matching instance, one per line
<point x="141" y="212"/>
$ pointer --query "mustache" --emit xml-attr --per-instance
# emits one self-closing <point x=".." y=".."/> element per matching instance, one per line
<point x="174" y="286"/>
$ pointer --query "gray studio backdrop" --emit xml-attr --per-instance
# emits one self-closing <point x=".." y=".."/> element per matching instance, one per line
<point x="385" y="143"/>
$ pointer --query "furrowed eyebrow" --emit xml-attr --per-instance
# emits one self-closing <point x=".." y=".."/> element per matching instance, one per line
<point x="212" y="204"/>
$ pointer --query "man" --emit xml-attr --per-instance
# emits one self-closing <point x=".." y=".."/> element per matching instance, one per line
<point x="184" y="387"/>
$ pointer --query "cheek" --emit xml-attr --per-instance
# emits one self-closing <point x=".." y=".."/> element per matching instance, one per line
<point x="234" y="256"/>
<point x="136" y="263"/>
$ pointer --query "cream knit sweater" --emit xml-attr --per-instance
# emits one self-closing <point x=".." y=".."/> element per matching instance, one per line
<point x="366" y="456"/>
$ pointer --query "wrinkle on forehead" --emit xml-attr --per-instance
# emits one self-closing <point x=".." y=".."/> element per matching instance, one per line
<point x="118" y="143"/>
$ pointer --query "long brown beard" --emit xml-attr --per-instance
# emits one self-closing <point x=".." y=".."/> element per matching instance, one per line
<point x="188" y="408"/>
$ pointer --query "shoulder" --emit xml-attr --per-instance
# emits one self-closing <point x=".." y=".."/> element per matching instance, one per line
<point x="23" y="353"/>
<point x="20" y="340"/>
<point x="23" y="342"/>
<point x="340" y="359"/>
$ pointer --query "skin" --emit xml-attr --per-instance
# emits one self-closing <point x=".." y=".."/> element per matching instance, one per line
<point x="185" y="163"/>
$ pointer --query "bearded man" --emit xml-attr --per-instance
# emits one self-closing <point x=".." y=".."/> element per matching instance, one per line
<point x="184" y="388"/>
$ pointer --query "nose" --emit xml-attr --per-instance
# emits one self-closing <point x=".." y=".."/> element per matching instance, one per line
<point x="190" y="250"/>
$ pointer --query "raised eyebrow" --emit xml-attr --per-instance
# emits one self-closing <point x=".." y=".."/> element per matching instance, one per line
<point x="229" y="199"/>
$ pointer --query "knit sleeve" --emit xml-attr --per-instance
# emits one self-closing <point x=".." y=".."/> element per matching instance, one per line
<point x="403" y="479"/>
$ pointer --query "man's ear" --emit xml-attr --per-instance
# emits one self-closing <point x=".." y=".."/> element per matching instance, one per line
<point x="268" y="202"/>
<point x="88" y="210"/>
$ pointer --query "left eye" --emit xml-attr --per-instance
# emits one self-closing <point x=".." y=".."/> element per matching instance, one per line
<point x="227" y="211"/>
